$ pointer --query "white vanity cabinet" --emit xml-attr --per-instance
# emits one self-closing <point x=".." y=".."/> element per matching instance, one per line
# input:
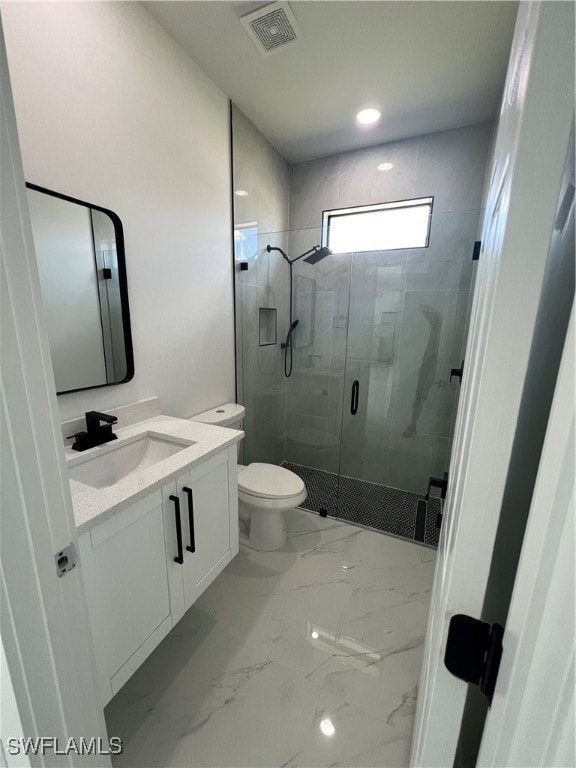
<point x="198" y="504"/>
<point x="135" y="590"/>
<point x="124" y="564"/>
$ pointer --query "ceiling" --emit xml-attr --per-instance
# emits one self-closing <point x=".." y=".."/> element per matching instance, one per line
<point x="428" y="66"/>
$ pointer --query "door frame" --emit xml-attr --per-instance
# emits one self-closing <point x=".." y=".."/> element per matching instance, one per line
<point x="47" y="646"/>
<point x="536" y="674"/>
<point x="524" y="183"/>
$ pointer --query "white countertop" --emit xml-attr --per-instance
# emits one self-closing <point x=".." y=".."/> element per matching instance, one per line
<point x="93" y="505"/>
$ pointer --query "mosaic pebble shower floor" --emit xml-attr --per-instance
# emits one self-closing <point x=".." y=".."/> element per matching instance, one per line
<point x="374" y="506"/>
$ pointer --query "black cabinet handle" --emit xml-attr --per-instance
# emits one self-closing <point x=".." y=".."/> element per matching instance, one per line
<point x="180" y="558"/>
<point x="188" y="492"/>
<point x="354" y="399"/>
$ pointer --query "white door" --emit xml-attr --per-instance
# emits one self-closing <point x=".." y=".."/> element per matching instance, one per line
<point x="198" y="516"/>
<point x="213" y="524"/>
<point x="531" y="721"/>
<point x="206" y="523"/>
<point x="126" y="583"/>
<point x="47" y="658"/>
<point x="525" y="181"/>
<point x="173" y="536"/>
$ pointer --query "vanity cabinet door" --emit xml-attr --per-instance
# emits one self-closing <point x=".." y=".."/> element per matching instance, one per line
<point x="124" y="564"/>
<point x="207" y="525"/>
<point x="172" y="505"/>
<point x="197" y="508"/>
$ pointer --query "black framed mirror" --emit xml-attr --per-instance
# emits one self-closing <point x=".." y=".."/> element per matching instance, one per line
<point x="82" y="266"/>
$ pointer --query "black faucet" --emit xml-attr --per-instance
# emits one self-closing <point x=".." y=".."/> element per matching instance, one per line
<point x="96" y="433"/>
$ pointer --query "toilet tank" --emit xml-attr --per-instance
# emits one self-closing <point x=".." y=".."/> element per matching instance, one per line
<point x="227" y="415"/>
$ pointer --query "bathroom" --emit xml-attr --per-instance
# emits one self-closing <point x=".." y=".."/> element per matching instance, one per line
<point x="310" y="654"/>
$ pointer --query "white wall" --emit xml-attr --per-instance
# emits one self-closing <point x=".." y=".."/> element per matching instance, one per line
<point x="110" y="110"/>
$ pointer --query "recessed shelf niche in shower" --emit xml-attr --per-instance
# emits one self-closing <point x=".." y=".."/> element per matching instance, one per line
<point x="267" y="324"/>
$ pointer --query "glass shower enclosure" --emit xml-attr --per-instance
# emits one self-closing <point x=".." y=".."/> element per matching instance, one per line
<point x="367" y="415"/>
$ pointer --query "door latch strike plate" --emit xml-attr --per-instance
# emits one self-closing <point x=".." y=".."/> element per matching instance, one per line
<point x="65" y="560"/>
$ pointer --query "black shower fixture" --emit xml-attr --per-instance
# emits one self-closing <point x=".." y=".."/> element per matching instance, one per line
<point x="317" y="255"/>
<point x="289" y="336"/>
<point x="312" y="256"/>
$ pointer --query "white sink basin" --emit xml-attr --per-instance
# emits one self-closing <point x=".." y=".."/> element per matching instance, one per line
<point x="119" y="462"/>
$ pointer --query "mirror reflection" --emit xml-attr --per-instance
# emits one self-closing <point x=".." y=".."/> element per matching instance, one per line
<point x="80" y="255"/>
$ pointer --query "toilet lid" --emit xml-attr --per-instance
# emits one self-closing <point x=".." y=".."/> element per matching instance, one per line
<point x="269" y="481"/>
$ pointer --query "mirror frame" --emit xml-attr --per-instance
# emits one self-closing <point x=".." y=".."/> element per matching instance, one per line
<point x="122" y="284"/>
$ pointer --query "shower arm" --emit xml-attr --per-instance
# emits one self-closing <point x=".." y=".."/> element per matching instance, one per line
<point x="312" y="250"/>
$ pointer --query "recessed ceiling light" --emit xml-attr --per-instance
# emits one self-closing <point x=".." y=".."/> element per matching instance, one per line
<point x="385" y="166"/>
<point x="368" y="116"/>
<point x="241" y="193"/>
<point x="327" y="727"/>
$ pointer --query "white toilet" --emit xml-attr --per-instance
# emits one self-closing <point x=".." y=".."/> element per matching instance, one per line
<point x="265" y="491"/>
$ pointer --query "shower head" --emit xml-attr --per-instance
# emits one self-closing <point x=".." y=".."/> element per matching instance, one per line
<point x="318" y="254"/>
<point x="286" y="343"/>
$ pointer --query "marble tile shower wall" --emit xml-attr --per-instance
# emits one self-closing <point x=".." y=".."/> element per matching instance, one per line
<point x="394" y="321"/>
<point x="263" y="173"/>
<point x="263" y="285"/>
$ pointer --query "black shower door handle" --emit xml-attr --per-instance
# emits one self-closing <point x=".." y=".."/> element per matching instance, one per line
<point x="354" y="399"/>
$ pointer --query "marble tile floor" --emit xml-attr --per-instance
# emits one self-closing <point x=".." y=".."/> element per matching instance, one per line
<point x="308" y="656"/>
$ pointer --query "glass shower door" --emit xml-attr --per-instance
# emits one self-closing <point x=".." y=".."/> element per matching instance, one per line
<point x="408" y="317"/>
<point x="369" y="381"/>
<point x="315" y="388"/>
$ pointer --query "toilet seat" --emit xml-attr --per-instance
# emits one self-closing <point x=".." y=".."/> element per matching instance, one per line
<point x="268" y="487"/>
<point x="268" y="481"/>
<point x="259" y="502"/>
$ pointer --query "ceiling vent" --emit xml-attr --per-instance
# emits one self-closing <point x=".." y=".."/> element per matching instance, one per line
<point x="272" y="28"/>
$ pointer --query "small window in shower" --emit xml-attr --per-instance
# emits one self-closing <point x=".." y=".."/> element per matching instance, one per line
<point x="267" y="326"/>
<point x="382" y="227"/>
<point x="245" y="241"/>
